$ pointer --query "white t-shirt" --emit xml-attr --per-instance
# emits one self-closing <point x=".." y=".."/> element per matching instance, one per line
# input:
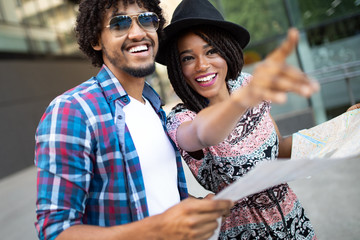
<point x="156" y="154"/>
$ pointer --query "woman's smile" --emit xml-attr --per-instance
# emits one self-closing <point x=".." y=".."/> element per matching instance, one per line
<point x="207" y="80"/>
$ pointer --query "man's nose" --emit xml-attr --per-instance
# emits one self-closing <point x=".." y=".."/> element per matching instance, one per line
<point x="136" y="31"/>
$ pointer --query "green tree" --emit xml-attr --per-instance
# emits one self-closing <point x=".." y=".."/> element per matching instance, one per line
<point x="263" y="19"/>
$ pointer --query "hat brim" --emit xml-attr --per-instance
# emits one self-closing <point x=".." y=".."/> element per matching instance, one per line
<point x="172" y="30"/>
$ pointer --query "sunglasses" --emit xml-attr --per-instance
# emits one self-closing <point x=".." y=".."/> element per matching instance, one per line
<point x="120" y="25"/>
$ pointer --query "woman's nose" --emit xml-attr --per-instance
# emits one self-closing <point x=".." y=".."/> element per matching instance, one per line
<point x="201" y="64"/>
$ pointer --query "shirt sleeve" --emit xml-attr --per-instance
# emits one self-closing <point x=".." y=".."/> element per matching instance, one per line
<point x="175" y="118"/>
<point x="63" y="158"/>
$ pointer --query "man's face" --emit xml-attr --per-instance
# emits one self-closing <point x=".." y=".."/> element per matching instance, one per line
<point x="132" y="53"/>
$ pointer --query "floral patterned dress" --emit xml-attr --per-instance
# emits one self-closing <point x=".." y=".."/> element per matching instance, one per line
<point x="275" y="213"/>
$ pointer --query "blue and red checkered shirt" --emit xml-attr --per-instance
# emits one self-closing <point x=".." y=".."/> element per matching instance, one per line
<point x="88" y="168"/>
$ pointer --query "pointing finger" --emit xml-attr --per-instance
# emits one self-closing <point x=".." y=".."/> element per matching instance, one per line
<point x="286" y="47"/>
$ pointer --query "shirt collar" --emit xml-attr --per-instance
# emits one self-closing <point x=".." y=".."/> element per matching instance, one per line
<point x="113" y="89"/>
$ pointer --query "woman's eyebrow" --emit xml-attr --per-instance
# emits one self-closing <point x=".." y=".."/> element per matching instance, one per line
<point x="185" y="51"/>
<point x="205" y="46"/>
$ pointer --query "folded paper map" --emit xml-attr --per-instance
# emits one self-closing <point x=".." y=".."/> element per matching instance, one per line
<point x="338" y="137"/>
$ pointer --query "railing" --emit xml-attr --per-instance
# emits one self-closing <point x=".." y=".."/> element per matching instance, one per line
<point x="342" y="72"/>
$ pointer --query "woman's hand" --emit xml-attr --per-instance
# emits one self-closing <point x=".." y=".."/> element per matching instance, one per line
<point x="353" y="107"/>
<point x="273" y="78"/>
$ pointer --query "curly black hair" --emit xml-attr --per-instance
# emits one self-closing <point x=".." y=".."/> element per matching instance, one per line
<point x="228" y="48"/>
<point x="89" y="23"/>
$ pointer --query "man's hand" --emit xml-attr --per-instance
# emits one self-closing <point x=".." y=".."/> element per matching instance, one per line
<point x="193" y="218"/>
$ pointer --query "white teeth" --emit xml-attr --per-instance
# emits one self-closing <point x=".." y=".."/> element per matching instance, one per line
<point x="138" y="49"/>
<point x="207" y="78"/>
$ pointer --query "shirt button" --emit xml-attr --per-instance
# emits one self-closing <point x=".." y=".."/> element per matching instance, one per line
<point x="125" y="100"/>
<point x="119" y="117"/>
<point x="110" y="98"/>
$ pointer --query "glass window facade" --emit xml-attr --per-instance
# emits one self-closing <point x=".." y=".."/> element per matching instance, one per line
<point x="37" y="27"/>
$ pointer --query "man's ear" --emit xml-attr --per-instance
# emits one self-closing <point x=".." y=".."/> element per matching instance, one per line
<point x="97" y="47"/>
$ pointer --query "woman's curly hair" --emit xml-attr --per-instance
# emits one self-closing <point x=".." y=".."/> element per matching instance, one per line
<point x="228" y="48"/>
<point x="89" y="23"/>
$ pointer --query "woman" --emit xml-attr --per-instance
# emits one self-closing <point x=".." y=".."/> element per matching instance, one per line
<point x="224" y="128"/>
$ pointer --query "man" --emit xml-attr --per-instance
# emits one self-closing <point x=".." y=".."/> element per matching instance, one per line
<point x="106" y="168"/>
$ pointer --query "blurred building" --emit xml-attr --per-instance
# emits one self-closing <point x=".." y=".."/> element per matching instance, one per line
<point x="39" y="59"/>
<point x="41" y="27"/>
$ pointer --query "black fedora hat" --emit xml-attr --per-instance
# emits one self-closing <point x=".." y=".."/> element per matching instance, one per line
<point x="191" y="13"/>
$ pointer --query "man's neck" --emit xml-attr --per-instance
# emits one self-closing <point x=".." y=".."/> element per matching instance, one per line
<point x="132" y="85"/>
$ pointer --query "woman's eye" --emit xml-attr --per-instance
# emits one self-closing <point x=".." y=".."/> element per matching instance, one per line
<point x="186" y="58"/>
<point x="212" y="51"/>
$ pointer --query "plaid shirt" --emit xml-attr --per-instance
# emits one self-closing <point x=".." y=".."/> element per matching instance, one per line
<point x="88" y="168"/>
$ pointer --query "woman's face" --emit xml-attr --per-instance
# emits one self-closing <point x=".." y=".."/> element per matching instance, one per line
<point x="203" y="68"/>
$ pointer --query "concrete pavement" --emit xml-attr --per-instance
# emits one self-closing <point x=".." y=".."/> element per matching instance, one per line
<point x="17" y="208"/>
<point x="331" y="199"/>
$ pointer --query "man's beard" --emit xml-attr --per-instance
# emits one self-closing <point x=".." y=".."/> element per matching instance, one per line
<point x="140" y="72"/>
